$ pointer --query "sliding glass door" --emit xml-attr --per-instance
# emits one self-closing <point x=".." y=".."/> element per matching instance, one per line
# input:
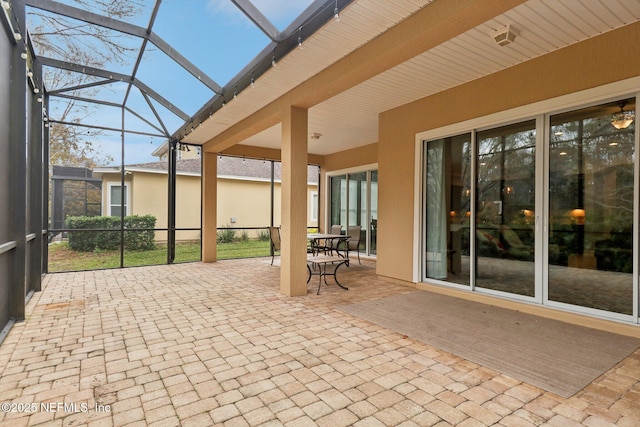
<point x="506" y="188"/>
<point x="354" y="203"/>
<point x="549" y="219"/>
<point x="591" y="209"/>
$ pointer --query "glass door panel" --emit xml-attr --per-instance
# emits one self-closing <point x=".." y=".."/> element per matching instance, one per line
<point x="354" y="202"/>
<point x="505" y="186"/>
<point x="358" y="205"/>
<point x="448" y="209"/>
<point x="373" y="214"/>
<point x="591" y="201"/>
<point x="338" y="200"/>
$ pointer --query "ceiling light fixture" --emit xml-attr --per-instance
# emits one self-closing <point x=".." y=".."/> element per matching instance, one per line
<point x="336" y="12"/>
<point x="503" y="36"/>
<point x="6" y="5"/>
<point x="300" y="37"/>
<point x="273" y="61"/>
<point x="622" y="119"/>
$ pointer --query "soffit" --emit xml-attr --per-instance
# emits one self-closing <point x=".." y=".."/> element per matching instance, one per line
<point x="350" y="119"/>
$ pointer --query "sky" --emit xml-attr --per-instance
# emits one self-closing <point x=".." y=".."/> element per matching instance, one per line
<point x="214" y="35"/>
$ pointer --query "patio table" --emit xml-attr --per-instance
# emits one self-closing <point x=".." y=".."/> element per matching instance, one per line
<point x="320" y="264"/>
<point x="328" y="239"/>
<point x="327" y="265"/>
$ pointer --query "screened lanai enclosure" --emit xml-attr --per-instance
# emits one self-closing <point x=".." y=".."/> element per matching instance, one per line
<point x="108" y="90"/>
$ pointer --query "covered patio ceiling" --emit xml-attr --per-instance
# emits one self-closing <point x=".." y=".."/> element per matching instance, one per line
<point x="459" y="53"/>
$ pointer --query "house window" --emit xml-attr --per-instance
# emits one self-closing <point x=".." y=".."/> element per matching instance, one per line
<point x="314" y="206"/>
<point x="118" y="200"/>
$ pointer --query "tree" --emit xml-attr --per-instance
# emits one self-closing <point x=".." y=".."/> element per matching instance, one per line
<point x="81" y="43"/>
<point x="69" y="147"/>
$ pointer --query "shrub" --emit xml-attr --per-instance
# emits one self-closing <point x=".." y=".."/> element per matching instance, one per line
<point x="226" y="235"/>
<point x="263" y="235"/>
<point x="140" y="240"/>
<point x="109" y="236"/>
<point x="244" y="236"/>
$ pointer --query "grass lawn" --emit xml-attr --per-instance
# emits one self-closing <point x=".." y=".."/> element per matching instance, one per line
<point x="61" y="258"/>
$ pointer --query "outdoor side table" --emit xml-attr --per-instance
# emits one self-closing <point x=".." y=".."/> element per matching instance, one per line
<point x="320" y="264"/>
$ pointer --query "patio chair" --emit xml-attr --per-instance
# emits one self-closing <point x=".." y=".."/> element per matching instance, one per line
<point x="354" y="241"/>
<point x="331" y="244"/>
<point x="274" y="236"/>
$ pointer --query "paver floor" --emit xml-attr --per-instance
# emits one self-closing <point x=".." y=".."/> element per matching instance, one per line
<point x="217" y="344"/>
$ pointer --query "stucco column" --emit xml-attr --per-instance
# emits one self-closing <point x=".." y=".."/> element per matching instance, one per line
<point x="293" y="270"/>
<point x="209" y="206"/>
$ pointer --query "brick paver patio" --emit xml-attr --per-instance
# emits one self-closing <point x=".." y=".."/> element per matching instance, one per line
<point x="216" y="344"/>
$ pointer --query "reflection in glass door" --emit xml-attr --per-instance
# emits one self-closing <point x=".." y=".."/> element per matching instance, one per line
<point x="373" y="213"/>
<point x="338" y="214"/>
<point x="591" y="201"/>
<point x="505" y="229"/>
<point x="448" y="209"/>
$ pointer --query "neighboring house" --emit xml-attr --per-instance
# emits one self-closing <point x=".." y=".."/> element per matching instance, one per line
<point x="162" y="152"/>
<point x="145" y="193"/>
<point x="244" y="193"/>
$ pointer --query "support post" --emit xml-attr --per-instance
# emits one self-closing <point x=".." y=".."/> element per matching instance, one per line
<point x="18" y="172"/>
<point x="293" y="274"/>
<point x="35" y="208"/>
<point x="171" y="203"/>
<point x="45" y="191"/>
<point x="209" y="206"/>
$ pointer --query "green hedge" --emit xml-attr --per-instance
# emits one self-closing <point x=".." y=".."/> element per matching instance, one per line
<point x="89" y="241"/>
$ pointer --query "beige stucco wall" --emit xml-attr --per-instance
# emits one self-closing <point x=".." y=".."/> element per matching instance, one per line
<point x="247" y="201"/>
<point x="148" y="193"/>
<point x="364" y="155"/>
<point x="595" y="62"/>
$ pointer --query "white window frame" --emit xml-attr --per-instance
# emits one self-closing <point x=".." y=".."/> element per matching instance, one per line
<point x="314" y="202"/>
<point x="127" y="204"/>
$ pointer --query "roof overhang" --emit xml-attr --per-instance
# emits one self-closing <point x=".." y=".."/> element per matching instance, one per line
<point x="381" y="55"/>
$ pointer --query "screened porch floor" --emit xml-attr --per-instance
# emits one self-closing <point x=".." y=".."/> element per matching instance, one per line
<point x="217" y="344"/>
